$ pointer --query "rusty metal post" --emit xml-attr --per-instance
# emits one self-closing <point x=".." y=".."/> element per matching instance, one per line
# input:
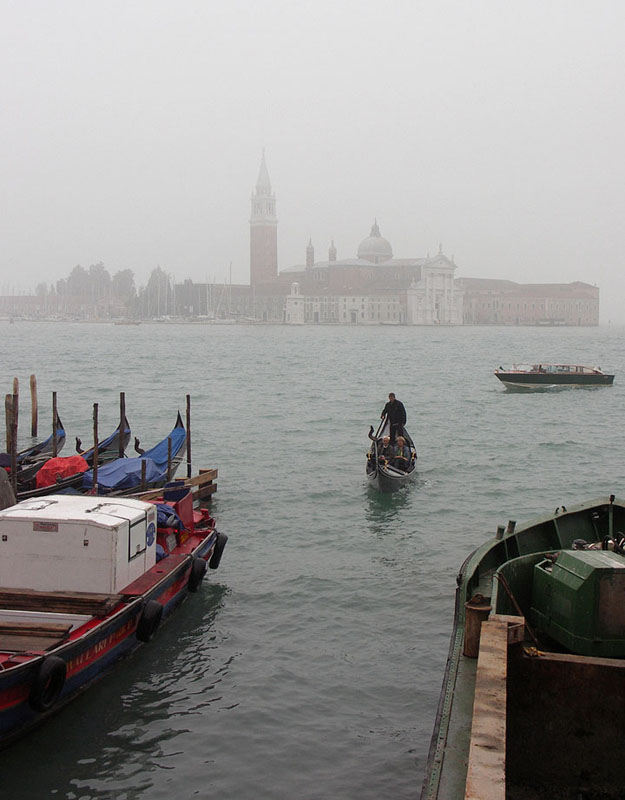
<point x="477" y="610"/>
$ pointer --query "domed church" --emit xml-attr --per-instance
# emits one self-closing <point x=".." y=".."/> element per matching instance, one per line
<point x="375" y="247"/>
<point x="374" y="288"/>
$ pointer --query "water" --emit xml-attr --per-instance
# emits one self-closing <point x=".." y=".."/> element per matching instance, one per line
<point x="309" y="666"/>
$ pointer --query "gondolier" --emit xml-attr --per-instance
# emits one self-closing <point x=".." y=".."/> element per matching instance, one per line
<point x="395" y="412"/>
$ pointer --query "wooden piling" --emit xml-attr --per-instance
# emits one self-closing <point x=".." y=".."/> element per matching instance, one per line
<point x="16" y="401"/>
<point x="10" y="404"/>
<point x="143" y="468"/>
<point x="168" y="459"/>
<point x="33" y="405"/>
<point x="95" y="446"/>
<point x="188" y="436"/>
<point x="55" y="426"/>
<point x="122" y="422"/>
<point x="8" y="415"/>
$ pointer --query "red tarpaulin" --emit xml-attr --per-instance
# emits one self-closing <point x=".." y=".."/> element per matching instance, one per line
<point x="60" y="468"/>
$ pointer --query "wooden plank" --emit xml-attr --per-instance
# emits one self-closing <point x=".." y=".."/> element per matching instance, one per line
<point x="486" y="773"/>
<point x="53" y="629"/>
<point x="28" y="644"/>
<point x="199" y="482"/>
<point x="97" y="605"/>
<point x="516" y="626"/>
<point x="205" y="474"/>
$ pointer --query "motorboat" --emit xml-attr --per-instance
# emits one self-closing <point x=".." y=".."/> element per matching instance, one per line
<point x="543" y="376"/>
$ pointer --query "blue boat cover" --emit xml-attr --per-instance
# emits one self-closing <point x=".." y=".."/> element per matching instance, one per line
<point x="125" y="473"/>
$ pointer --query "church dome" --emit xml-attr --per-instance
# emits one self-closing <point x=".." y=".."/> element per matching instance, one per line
<point x="375" y="247"/>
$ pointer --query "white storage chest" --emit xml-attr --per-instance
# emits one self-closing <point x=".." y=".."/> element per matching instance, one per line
<point x="74" y="543"/>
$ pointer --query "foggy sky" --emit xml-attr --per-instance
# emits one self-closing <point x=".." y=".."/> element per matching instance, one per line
<point x="132" y="134"/>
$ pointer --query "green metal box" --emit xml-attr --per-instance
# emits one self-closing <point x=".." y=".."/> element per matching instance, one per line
<point x="579" y="601"/>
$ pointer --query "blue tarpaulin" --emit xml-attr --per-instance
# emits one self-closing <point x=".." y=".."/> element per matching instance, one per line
<point x="125" y="473"/>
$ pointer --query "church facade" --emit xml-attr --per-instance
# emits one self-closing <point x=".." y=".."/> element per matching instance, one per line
<point x="373" y="288"/>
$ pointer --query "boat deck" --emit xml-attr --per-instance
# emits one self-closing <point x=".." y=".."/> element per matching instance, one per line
<point x="18" y="637"/>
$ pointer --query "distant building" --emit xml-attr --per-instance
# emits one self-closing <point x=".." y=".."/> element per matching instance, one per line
<point x="263" y="231"/>
<point x="500" y="302"/>
<point x="373" y="288"/>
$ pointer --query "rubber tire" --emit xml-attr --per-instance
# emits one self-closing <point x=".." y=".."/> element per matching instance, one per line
<point x="222" y="538"/>
<point x="149" y="620"/>
<point x="198" y="571"/>
<point x="48" y="684"/>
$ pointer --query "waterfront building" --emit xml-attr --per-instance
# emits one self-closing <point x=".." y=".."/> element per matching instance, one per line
<point x="489" y="301"/>
<point x="373" y="288"/>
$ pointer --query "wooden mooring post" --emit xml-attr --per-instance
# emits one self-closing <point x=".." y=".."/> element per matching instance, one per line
<point x="10" y="406"/>
<point x="8" y="416"/>
<point x="95" y="447"/>
<point x="33" y="405"/>
<point x="122" y="422"/>
<point x="55" y="426"/>
<point x="16" y="402"/>
<point x="188" y="436"/>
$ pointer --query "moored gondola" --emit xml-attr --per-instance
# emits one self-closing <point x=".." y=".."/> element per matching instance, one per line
<point x="46" y="447"/>
<point x="384" y="473"/>
<point x="30" y="460"/>
<point x="59" y="474"/>
<point x="128" y="475"/>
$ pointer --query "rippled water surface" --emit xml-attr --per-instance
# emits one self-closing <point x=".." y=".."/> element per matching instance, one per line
<point x="309" y="665"/>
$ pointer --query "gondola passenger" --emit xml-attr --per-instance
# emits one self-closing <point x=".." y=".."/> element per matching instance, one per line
<point x="401" y="459"/>
<point x="386" y="451"/>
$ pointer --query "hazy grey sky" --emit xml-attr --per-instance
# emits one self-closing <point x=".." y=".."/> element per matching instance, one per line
<point x="132" y="134"/>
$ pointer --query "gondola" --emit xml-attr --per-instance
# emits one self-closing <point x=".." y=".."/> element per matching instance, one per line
<point x="126" y="475"/>
<point x="109" y="448"/>
<point x="72" y="468"/>
<point x="30" y="460"/>
<point x="44" y="448"/>
<point x="380" y="473"/>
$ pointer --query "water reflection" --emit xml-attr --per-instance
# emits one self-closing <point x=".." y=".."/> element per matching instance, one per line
<point x="384" y="508"/>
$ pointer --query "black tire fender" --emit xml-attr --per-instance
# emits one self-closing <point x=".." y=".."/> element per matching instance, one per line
<point x="198" y="570"/>
<point x="222" y="538"/>
<point x="149" y="620"/>
<point x="48" y="683"/>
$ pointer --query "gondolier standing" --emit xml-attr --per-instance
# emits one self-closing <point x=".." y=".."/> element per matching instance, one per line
<point x="396" y="414"/>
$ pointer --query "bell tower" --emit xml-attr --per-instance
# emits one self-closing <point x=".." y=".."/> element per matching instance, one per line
<point x="263" y="230"/>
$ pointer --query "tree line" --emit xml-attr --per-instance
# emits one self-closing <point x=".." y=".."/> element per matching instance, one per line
<point x="95" y="288"/>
